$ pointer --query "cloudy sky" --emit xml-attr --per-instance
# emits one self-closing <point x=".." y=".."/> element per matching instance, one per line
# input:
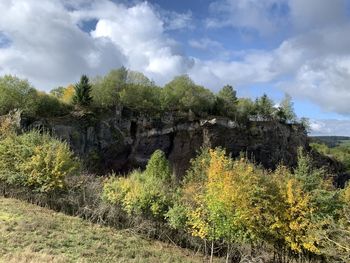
<point x="259" y="46"/>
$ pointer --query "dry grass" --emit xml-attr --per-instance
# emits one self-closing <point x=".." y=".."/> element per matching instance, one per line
<point x="33" y="234"/>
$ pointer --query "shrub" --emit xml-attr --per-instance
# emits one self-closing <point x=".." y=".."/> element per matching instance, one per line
<point x="36" y="160"/>
<point x="50" y="106"/>
<point x="145" y="193"/>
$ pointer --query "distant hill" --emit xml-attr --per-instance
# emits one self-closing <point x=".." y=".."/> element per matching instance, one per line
<point x="331" y="141"/>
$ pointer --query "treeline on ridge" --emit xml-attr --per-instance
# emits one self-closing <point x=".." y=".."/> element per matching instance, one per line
<point x="131" y="89"/>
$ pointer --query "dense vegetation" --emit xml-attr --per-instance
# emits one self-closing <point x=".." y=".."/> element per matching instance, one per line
<point x="126" y="88"/>
<point x="32" y="159"/>
<point x="222" y="205"/>
<point x="234" y="203"/>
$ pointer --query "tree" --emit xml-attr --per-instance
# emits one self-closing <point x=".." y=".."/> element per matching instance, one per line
<point x="58" y="92"/>
<point x="68" y="94"/>
<point x="285" y="111"/>
<point x="226" y="100"/>
<point x="105" y="90"/>
<point x="245" y="109"/>
<point x="138" y="78"/>
<point x="183" y="94"/>
<point x="147" y="193"/>
<point x="141" y="98"/>
<point x="228" y="94"/>
<point x="82" y="95"/>
<point x="16" y="93"/>
<point x="264" y="108"/>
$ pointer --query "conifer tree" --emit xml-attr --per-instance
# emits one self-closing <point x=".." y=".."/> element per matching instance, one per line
<point x="82" y="95"/>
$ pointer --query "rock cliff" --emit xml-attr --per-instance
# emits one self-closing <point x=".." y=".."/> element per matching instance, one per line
<point x="120" y="141"/>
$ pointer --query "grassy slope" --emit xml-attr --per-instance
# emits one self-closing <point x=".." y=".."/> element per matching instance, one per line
<point x="29" y="233"/>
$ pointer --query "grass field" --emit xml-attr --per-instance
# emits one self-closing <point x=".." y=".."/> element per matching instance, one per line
<point x="29" y="233"/>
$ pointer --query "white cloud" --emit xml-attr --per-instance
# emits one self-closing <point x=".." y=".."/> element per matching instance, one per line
<point x="48" y="46"/>
<point x="175" y="21"/>
<point x="317" y="13"/>
<point x="330" y="128"/>
<point x="261" y="16"/>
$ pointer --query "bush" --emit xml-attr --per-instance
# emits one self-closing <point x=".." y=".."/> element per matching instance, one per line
<point x="36" y="160"/>
<point x="145" y="193"/>
<point x="50" y="106"/>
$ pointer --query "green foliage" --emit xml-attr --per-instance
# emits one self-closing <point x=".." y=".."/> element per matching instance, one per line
<point x="134" y="77"/>
<point x="285" y="110"/>
<point x="36" y="160"/>
<point x="183" y="94"/>
<point x="264" y="108"/>
<point x="141" y="98"/>
<point x="82" y="95"/>
<point x="58" y="92"/>
<point x="50" y="106"/>
<point x="245" y="109"/>
<point x="145" y="193"/>
<point x="10" y="124"/>
<point x="105" y="90"/>
<point x="226" y="100"/>
<point x="341" y="153"/>
<point x="16" y="94"/>
<point x="234" y="201"/>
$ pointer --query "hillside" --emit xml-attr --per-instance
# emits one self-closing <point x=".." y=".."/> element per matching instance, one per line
<point x="34" y="234"/>
<point x="331" y="141"/>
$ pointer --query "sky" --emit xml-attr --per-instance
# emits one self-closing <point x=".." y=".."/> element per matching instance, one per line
<point x="258" y="46"/>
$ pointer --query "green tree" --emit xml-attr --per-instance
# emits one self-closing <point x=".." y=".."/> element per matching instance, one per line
<point x="16" y="93"/>
<point x="183" y="94"/>
<point x="82" y="95"/>
<point x="105" y="90"/>
<point x="58" y="92"/>
<point x="264" y="108"/>
<point x="141" y="98"/>
<point x="148" y="193"/>
<point x="285" y="111"/>
<point x="226" y="100"/>
<point x="135" y="77"/>
<point x="245" y="109"/>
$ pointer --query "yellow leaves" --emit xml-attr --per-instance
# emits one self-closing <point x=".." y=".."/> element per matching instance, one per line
<point x="50" y="163"/>
<point x="199" y="227"/>
<point x="68" y="94"/>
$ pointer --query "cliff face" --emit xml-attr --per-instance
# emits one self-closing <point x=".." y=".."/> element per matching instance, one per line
<point x="119" y="141"/>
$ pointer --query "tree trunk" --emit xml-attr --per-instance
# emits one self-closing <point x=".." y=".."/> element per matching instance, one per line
<point x="212" y="252"/>
<point x="228" y="253"/>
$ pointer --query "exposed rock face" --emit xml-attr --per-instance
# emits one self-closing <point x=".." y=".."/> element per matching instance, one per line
<point x="118" y="141"/>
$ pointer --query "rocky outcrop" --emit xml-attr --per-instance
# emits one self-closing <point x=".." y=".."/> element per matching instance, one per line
<point x="121" y="141"/>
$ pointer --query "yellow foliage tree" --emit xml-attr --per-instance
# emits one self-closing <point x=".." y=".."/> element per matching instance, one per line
<point x="68" y="94"/>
